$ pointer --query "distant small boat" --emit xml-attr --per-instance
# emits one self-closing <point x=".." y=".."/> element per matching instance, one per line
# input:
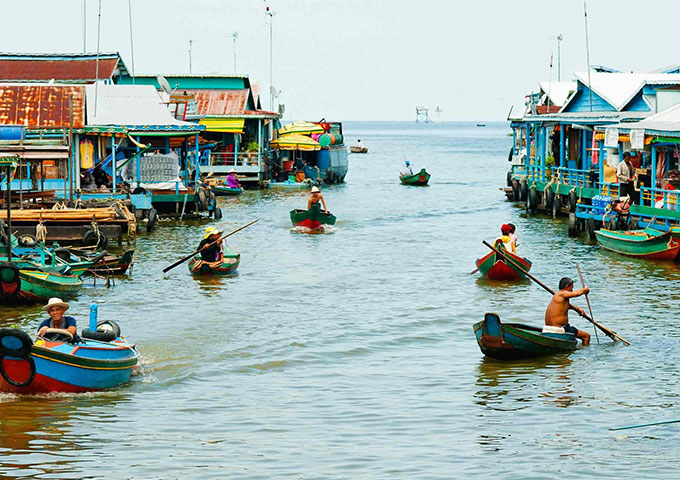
<point x="225" y="191"/>
<point x="356" y="149"/>
<point x="314" y="218"/>
<point x="228" y="265"/>
<point x="481" y="124"/>
<point x="496" y="267"/>
<point x="510" y="341"/>
<point x="419" y="179"/>
<point x="647" y="243"/>
<point x="288" y="185"/>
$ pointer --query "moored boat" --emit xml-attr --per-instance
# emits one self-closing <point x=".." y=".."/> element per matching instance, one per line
<point x="290" y="185"/>
<point x="496" y="267"/>
<point x="313" y="219"/>
<point x="419" y="179"/>
<point x="226" y="191"/>
<point x="22" y="284"/>
<point x="645" y="243"/>
<point x="101" y="359"/>
<point x="357" y="149"/>
<point x="226" y="265"/>
<point x="509" y="341"/>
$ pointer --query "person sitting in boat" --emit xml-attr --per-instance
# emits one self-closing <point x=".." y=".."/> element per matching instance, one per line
<point x="512" y="235"/>
<point x="210" y="247"/>
<point x="359" y="144"/>
<point x="56" y="308"/>
<point x="315" y="198"/>
<point x="406" y="170"/>
<point x="232" y="181"/>
<point x="557" y="313"/>
<point x="506" y="239"/>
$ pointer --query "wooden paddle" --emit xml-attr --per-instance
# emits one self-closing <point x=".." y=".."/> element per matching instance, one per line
<point x="583" y="283"/>
<point x="606" y="331"/>
<point x="182" y="260"/>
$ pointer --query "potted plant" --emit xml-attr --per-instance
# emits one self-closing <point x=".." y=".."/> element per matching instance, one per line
<point x="251" y="151"/>
<point x="549" y="163"/>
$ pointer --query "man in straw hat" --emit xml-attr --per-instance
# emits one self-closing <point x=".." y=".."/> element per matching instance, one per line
<point x="213" y="252"/>
<point x="315" y="198"/>
<point x="232" y="181"/>
<point x="56" y="308"/>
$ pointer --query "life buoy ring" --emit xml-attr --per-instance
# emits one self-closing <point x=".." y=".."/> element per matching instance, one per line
<point x="27" y="240"/>
<point x="152" y="219"/>
<point x="10" y="380"/>
<point x="14" y="342"/>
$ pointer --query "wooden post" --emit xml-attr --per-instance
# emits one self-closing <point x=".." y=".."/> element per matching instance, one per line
<point x="562" y="145"/>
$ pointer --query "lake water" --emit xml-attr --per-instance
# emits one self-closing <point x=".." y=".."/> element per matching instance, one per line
<point x="351" y="354"/>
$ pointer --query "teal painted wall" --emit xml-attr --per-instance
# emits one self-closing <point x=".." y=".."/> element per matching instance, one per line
<point x="215" y="83"/>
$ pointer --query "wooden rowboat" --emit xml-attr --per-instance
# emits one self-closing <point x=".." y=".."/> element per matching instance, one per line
<point x="496" y="267"/>
<point x="646" y="243"/>
<point x="226" y="266"/>
<point x="419" y="179"/>
<point x="509" y="341"/>
<point x="313" y="219"/>
<point x="355" y="149"/>
<point x="225" y="191"/>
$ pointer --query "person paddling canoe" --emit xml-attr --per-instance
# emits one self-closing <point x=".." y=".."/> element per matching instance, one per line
<point x="212" y="253"/>
<point x="315" y="198"/>
<point x="557" y="313"/>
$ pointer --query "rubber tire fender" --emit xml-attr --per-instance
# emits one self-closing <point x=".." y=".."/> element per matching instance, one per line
<point x="27" y="240"/>
<point x="549" y="198"/>
<point x="13" y="382"/>
<point x="590" y="229"/>
<point x="523" y="190"/>
<point x="573" y="200"/>
<point x="24" y="338"/>
<point x="509" y="177"/>
<point x="201" y="199"/>
<point x="571" y="225"/>
<point x="510" y="154"/>
<point x="217" y="213"/>
<point x="90" y="239"/>
<point x="152" y="219"/>
<point x="102" y="336"/>
<point x="515" y="191"/>
<point x="557" y="206"/>
<point x="532" y="199"/>
<point x="112" y="327"/>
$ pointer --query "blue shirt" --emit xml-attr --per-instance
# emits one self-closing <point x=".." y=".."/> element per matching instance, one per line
<point x="66" y="322"/>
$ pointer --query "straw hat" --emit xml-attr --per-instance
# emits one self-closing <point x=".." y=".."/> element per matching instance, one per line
<point x="233" y="170"/>
<point x="55" y="302"/>
<point x="212" y="231"/>
<point x="315" y="190"/>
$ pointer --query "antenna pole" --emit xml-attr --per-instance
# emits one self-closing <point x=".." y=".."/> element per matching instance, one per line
<point x="84" y="26"/>
<point x="590" y="88"/>
<point x="96" y="81"/>
<point x="191" y="42"/>
<point x="132" y="45"/>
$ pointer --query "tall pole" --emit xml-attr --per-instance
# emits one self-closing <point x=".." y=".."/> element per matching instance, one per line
<point x="96" y="82"/>
<point x="270" y="14"/>
<point x="559" y="57"/>
<point x="190" y="46"/>
<point x="132" y="45"/>
<point x="84" y="26"/>
<point x="590" y="88"/>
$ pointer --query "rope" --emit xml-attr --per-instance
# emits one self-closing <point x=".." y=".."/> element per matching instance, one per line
<point x="95" y="228"/>
<point x="59" y="206"/>
<point x="78" y="203"/>
<point x="130" y="217"/>
<point x="41" y="232"/>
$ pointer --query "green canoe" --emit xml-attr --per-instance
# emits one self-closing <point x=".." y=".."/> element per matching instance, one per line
<point x="647" y="243"/>
<point x="30" y="285"/>
<point x="313" y="218"/>
<point x="419" y="179"/>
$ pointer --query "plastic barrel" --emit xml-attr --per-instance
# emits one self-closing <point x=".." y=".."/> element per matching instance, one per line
<point x="11" y="133"/>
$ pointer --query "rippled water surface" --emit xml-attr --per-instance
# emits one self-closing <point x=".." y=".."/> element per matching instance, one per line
<point x="351" y="354"/>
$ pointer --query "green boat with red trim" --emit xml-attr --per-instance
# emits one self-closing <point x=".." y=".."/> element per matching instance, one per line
<point x="313" y="219"/>
<point x="419" y="179"/>
<point x="497" y="267"/>
<point x="646" y="243"/>
<point x="21" y="284"/>
<point x="511" y="341"/>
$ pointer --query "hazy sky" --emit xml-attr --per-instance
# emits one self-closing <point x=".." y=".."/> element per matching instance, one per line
<point x="364" y="59"/>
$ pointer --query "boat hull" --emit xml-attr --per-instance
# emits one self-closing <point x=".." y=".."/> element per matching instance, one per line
<point x="495" y="267"/>
<point x="114" y="264"/>
<point x="646" y="243"/>
<point x="36" y="286"/>
<point x="313" y="219"/>
<point x="515" y="341"/>
<point x="229" y="264"/>
<point x="419" y="179"/>
<point x="358" y="149"/>
<point x="224" y="191"/>
<point x="62" y="367"/>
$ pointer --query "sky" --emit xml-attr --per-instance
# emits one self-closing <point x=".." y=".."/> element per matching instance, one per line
<point x="363" y="59"/>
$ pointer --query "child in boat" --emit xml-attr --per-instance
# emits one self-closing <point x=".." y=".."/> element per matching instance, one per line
<point x="212" y="253"/>
<point x="512" y="234"/>
<point x="315" y="198"/>
<point x="507" y="240"/>
<point x="55" y="308"/>
<point x="557" y="313"/>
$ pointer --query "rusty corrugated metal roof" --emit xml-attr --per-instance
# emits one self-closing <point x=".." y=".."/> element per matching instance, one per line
<point x="66" y="69"/>
<point x="221" y="102"/>
<point x="45" y="106"/>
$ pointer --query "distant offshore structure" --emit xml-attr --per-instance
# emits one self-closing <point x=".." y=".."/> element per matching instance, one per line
<point x="423" y="114"/>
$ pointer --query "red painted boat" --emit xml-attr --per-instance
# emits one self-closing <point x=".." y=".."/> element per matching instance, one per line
<point x="495" y="267"/>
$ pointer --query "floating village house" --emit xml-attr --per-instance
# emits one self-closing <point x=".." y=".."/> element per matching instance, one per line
<point x="565" y="152"/>
<point x="237" y="129"/>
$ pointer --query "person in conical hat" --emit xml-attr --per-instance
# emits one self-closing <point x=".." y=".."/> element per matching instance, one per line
<point x="315" y="198"/>
<point x="232" y="181"/>
<point x="56" y="308"/>
<point x="210" y="247"/>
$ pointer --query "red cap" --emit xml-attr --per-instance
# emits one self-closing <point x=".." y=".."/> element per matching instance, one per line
<point x="506" y="229"/>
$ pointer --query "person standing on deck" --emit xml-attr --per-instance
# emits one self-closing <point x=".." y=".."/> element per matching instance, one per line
<point x="315" y="198"/>
<point x="213" y="252"/>
<point x="406" y="169"/>
<point x="506" y="239"/>
<point x="625" y="172"/>
<point x="557" y="313"/>
<point x="232" y="181"/>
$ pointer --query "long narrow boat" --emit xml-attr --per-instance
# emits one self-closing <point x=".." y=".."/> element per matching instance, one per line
<point x="59" y="365"/>
<point x="645" y="243"/>
<point x="226" y="266"/>
<point x="20" y="284"/>
<point x="497" y="267"/>
<point x="225" y="191"/>
<point x="313" y="219"/>
<point x="509" y="341"/>
<point x="419" y="179"/>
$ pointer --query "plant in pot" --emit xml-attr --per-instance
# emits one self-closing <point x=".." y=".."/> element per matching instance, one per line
<point x="549" y="163"/>
<point x="251" y="150"/>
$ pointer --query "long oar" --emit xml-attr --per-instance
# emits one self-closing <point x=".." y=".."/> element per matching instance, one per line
<point x="627" y="427"/>
<point x="583" y="283"/>
<point x="607" y="332"/>
<point x="179" y="262"/>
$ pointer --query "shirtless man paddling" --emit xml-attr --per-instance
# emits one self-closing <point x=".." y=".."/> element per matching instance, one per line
<point x="556" y="315"/>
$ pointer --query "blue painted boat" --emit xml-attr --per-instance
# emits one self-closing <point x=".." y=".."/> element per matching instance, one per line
<point x="225" y="191"/>
<point x="102" y="359"/>
<point x="510" y="341"/>
<point x="290" y="185"/>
